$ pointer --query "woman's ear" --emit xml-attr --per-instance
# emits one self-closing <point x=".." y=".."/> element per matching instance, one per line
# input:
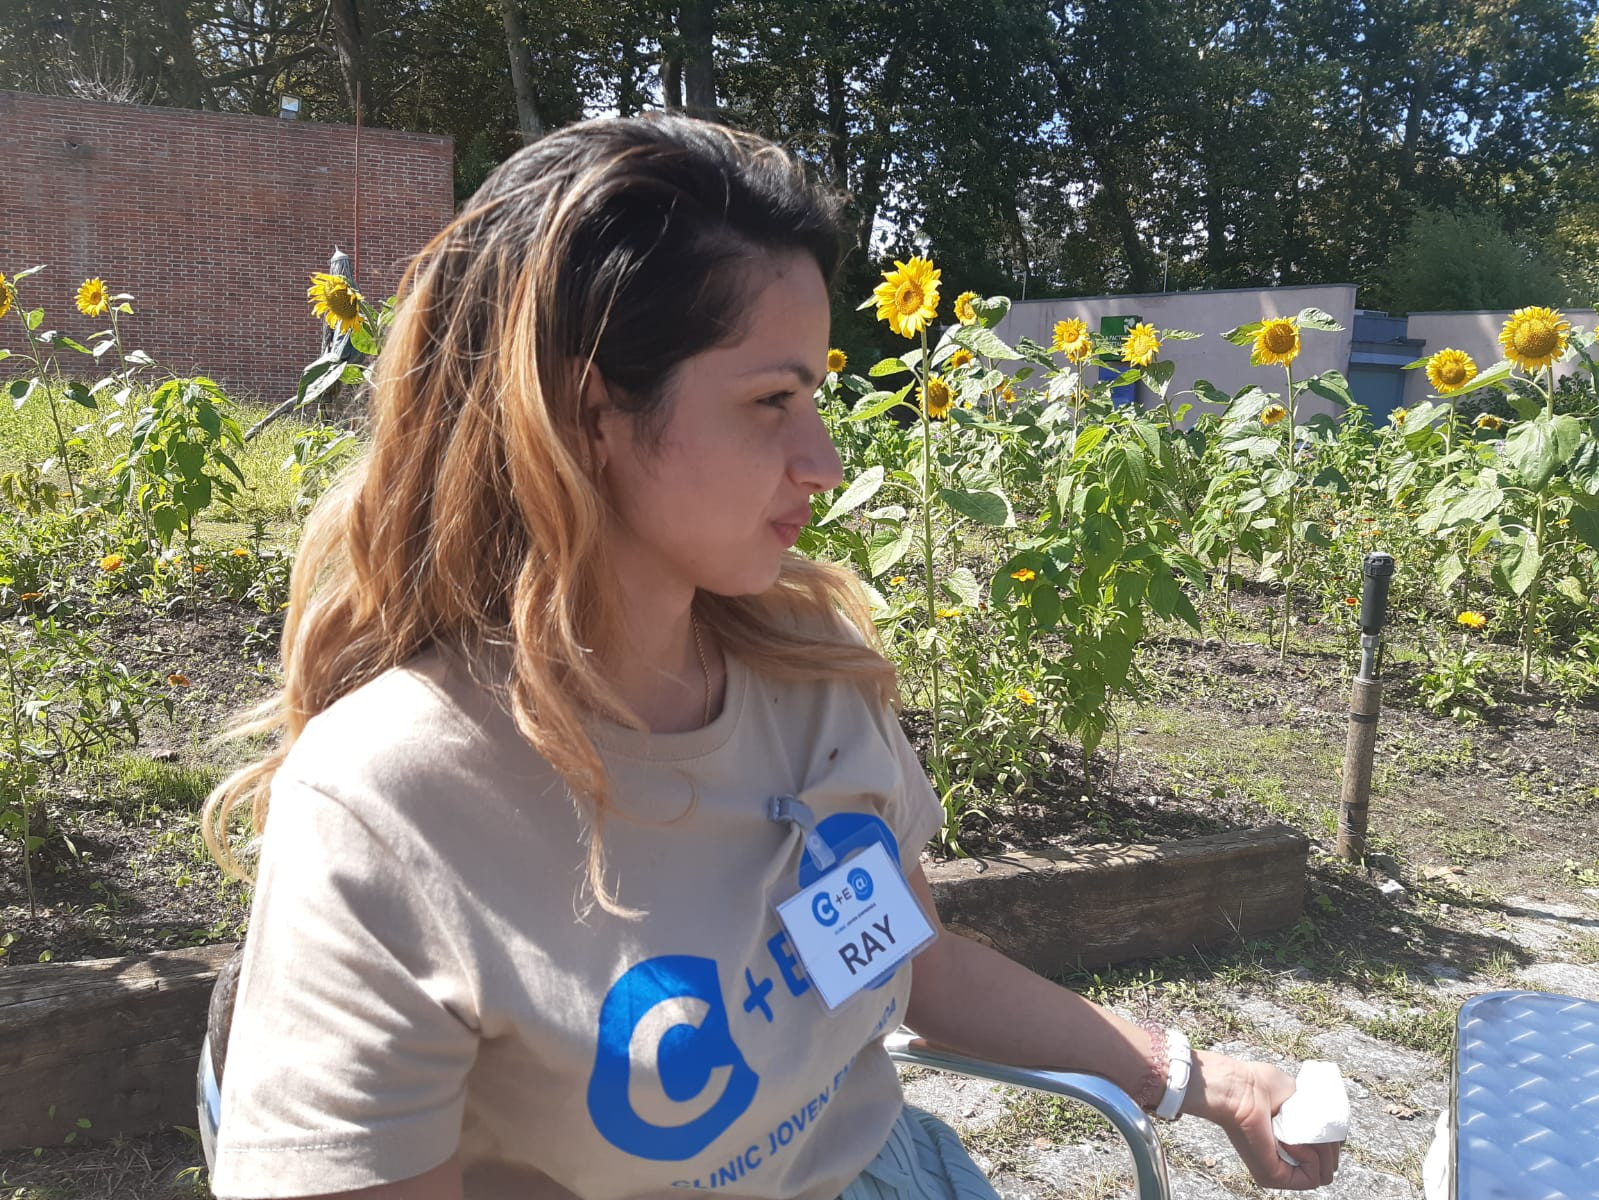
<point x="594" y="413"/>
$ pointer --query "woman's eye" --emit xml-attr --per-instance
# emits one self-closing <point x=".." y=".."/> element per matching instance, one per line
<point x="776" y="400"/>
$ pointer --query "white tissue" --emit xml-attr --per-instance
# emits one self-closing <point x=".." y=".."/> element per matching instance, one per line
<point x="1436" y="1170"/>
<point x="1317" y="1112"/>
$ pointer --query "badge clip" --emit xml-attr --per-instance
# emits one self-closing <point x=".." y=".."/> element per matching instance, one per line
<point x="788" y="810"/>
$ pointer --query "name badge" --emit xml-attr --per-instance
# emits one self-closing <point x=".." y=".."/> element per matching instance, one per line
<point x="855" y="925"/>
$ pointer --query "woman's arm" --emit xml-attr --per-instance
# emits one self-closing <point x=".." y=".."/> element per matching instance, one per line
<point x="975" y="1001"/>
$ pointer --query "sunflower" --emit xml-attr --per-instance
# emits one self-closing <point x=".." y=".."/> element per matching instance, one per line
<point x="93" y="299"/>
<point x="937" y="397"/>
<point x="335" y="301"/>
<point x="1025" y="574"/>
<point x="908" y="296"/>
<point x="1534" y="337"/>
<point x="964" y="312"/>
<point x="1398" y="416"/>
<point x="948" y="613"/>
<point x="178" y="680"/>
<point x="1141" y="346"/>
<point x="1272" y="413"/>
<point x="240" y="552"/>
<point x="1450" y="370"/>
<point x="1489" y="421"/>
<point x="837" y="360"/>
<point x="1025" y="696"/>
<point x="7" y="295"/>
<point x="1072" y="340"/>
<point x="960" y="358"/>
<point x="111" y="563"/>
<point x="1277" y="342"/>
<point x="1008" y="394"/>
<point x="1472" y="620"/>
<point x="897" y="581"/>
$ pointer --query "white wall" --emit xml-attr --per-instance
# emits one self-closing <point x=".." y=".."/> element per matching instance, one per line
<point x="1211" y="314"/>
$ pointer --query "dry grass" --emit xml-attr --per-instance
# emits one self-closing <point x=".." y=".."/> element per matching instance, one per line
<point x="143" y="1168"/>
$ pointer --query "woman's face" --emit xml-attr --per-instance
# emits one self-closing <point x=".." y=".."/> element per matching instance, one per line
<point x="724" y="494"/>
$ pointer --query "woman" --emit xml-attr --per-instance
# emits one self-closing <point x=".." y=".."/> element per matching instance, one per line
<point x="565" y="718"/>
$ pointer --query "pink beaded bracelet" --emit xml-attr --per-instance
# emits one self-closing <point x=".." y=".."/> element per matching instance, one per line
<point x="1154" y="1085"/>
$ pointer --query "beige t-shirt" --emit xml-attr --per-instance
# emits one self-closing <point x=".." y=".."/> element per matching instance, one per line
<point x="418" y="978"/>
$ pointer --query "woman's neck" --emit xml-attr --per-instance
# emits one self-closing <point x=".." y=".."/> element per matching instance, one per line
<point x="672" y="681"/>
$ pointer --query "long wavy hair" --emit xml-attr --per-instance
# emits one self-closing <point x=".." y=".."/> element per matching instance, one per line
<point x="476" y="514"/>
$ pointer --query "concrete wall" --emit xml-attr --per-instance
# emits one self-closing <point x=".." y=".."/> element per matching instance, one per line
<point x="1477" y="333"/>
<point x="213" y="221"/>
<point x="1211" y="314"/>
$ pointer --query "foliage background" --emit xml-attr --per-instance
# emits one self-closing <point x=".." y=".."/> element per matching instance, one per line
<point x="1033" y="147"/>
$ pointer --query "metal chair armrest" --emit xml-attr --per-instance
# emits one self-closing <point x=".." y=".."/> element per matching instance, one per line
<point x="1115" y="1105"/>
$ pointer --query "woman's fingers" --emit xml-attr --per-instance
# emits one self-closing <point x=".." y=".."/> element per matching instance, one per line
<point x="1317" y="1164"/>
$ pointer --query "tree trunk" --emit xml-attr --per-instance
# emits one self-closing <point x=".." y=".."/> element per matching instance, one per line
<point x="837" y="124"/>
<point x="350" y="33"/>
<point x="672" y="74"/>
<point x="696" y="25"/>
<point x="185" y="81"/>
<point x="521" y="55"/>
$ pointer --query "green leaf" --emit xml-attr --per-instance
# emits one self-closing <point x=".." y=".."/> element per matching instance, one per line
<point x="80" y="395"/>
<point x="1210" y="393"/>
<point x="991" y="311"/>
<point x="4" y="353"/>
<point x="1158" y="375"/>
<point x="1163" y="589"/>
<point x="984" y="341"/>
<point x="362" y="341"/>
<point x="34" y="317"/>
<point x="1126" y="473"/>
<point x="962" y="584"/>
<point x="1087" y="440"/>
<point x="1571" y="588"/>
<point x="864" y="487"/>
<point x="1314" y="318"/>
<point x="1243" y="334"/>
<point x="984" y="507"/>
<point x="73" y="345"/>
<point x="878" y="403"/>
<point x="1585" y="524"/>
<point x="20" y="390"/>
<point x="1044" y="604"/>
<point x="887" y="546"/>
<point x="1541" y="446"/>
<point x="1449" y="570"/>
<point x="1519" y="562"/>
<point x="888" y="366"/>
<point x="1331" y="385"/>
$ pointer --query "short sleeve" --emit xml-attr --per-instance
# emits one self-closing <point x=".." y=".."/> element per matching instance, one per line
<point x="354" y="1027"/>
<point x="919" y="812"/>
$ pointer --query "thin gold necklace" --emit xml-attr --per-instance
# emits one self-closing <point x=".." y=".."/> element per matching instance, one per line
<point x="705" y="669"/>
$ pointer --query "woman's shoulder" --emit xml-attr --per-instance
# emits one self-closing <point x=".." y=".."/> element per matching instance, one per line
<point x="429" y="723"/>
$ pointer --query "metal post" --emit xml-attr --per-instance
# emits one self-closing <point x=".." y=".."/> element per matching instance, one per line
<point x="1364" y="705"/>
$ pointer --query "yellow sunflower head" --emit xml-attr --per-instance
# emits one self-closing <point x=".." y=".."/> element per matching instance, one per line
<point x="1450" y="370"/>
<point x="7" y="295"/>
<point x="1472" y="620"/>
<point x="93" y="299"/>
<point x="1277" y="342"/>
<point x="908" y="296"/>
<point x="1534" y="338"/>
<point x="837" y="360"/>
<point x="964" y="312"/>
<point x="1141" y="346"/>
<point x="1008" y="394"/>
<point x="960" y="358"/>
<point x="335" y="301"/>
<point x="1397" y="417"/>
<point x="1025" y="574"/>
<point x="937" y="397"/>
<point x="1489" y="421"/>
<point x="1025" y="696"/>
<point x="111" y="563"/>
<point x="1272" y="413"/>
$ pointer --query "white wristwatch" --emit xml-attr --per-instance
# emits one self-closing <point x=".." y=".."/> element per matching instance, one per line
<point x="1179" y="1066"/>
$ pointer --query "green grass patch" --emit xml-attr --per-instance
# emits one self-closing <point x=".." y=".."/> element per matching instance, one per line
<point x="1430" y="1031"/>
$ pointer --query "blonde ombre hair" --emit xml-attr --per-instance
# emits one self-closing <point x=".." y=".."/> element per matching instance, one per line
<point x="476" y="515"/>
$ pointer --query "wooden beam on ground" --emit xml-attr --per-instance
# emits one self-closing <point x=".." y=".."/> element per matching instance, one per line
<point x="114" y="1041"/>
<point x="1093" y="905"/>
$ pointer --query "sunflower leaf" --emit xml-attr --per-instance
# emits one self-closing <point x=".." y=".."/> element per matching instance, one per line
<point x="1331" y="385"/>
<point x="1314" y="318"/>
<point x="1243" y="334"/>
<point x="877" y="403"/>
<point x="888" y="366"/>
<point x="888" y="546"/>
<point x="986" y="507"/>
<point x="984" y="341"/>
<point x="992" y="310"/>
<point x="865" y="486"/>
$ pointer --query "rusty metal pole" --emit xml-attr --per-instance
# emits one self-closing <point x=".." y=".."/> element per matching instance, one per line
<point x="1364" y="705"/>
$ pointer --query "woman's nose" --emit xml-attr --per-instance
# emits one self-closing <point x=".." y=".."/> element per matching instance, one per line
<point x="815" y="463"/>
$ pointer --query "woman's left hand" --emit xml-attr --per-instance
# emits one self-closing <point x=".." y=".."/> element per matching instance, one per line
<point x="1242" y="1098"/>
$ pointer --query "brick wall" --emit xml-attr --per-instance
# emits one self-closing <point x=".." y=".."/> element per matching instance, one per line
<point x="213" y="221"/>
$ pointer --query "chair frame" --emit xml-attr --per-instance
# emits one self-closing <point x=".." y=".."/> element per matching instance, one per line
<point x="1103" y="1096"/>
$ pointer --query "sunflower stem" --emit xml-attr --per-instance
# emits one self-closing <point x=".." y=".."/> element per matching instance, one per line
<point x="1288" y="544"/>
<point x="927" y="539"/>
